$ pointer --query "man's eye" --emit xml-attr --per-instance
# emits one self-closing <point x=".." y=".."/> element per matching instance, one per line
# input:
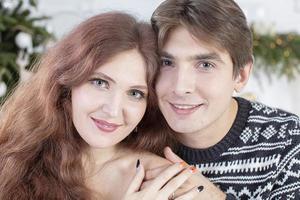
<point x="205" y="66"/>
<point x="137" y="94"/>
<point x="100" y="83"/>
<point x="166" y="62"/>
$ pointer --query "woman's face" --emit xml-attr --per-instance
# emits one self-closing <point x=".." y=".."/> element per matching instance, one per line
<point x="110" y="104"/>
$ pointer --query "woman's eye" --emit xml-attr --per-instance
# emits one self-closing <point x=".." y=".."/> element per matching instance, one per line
<point x="137" y="94"/>
<point x="100" y="83"/>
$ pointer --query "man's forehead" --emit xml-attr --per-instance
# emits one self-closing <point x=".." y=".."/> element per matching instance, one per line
<point x="179" y="36"/>
<point x="177" y="52"/>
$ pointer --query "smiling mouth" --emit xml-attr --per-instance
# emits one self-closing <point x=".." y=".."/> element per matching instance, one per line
<point x="184" y="109"/>
<point x="105" y="126"/>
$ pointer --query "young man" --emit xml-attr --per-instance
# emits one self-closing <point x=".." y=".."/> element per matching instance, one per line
<point x="247" y="149"/>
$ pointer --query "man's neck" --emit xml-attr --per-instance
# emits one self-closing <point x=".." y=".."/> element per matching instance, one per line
<point x="213" y="133"/>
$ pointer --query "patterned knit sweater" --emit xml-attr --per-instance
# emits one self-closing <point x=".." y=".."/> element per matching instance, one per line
<point x="259" y="158"/>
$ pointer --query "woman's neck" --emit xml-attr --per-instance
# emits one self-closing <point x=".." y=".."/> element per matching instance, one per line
<point x="101" y="156"/>
<point x="96" y="158"/>
<point x="104" y="167"/>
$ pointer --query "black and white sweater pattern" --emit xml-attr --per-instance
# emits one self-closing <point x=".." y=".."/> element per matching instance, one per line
<point x="259" y="158"/>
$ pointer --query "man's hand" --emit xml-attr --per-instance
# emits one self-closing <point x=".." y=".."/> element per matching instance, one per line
<point x="171" y="156"/>
<point x="163" y="186"/>
<point x="209" y="190"/>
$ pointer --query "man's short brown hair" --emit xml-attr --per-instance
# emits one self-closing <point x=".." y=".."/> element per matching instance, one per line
<point x="221" y="23"/>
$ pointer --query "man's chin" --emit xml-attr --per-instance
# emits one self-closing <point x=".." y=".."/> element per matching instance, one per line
<point x="183" y="129"/>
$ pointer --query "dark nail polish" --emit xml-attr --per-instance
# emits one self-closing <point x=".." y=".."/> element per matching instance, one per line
<point x="137" y="163"/>
<point x="200" y="188"/>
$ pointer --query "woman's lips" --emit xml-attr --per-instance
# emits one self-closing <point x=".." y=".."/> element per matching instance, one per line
<point x="105" y="126"/>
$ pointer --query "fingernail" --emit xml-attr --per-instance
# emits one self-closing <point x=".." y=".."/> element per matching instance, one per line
<point x="192" y="169"/>
<point x="183" y="164"/>
<point x="137" y="164"/>
<point x="200" y="188"/>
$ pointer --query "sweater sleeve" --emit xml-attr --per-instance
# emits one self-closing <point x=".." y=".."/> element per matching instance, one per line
<point x="287" y="181"/>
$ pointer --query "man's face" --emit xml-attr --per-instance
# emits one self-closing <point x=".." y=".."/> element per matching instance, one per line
<point x="195" y="84"/>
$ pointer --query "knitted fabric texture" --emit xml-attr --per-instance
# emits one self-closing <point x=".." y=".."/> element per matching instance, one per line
<point x="259" y="158"/>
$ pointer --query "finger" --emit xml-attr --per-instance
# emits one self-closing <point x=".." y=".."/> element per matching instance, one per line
<point x="145" y="184"/>
<point x="137" y="179"/>
<point x="152" y="173"/>
<point x="191" y="194"/>
<point x="177" y="181"/>
<point x="166" y="175"/>
<point x="171" y="156"/>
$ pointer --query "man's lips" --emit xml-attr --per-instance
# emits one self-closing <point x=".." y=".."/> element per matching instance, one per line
<point x="184" y="109"/>
<point x="105" y="126"/>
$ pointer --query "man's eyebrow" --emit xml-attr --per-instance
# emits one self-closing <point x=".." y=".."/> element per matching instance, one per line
<point x="204" y="56"/>
<point x="207" y="56"/>
<point x="166" y="55"/>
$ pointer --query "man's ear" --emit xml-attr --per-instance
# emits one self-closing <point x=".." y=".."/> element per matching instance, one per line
<point x="242" y="77"/>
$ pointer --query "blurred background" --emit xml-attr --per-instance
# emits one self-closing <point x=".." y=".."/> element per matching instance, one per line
<point x="29" y="27"/>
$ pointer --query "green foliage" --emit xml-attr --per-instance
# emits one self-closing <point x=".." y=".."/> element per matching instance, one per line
<point x="12" y="21"/>
<point x="277" y="53"/>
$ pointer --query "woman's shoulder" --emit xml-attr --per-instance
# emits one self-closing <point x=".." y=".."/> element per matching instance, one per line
<point x="148" y="160"/>
<point x="128" y="159"/>
<point x="115" y="175"/>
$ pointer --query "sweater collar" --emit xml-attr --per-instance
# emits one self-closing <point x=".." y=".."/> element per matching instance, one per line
<point x="193" y="156"/>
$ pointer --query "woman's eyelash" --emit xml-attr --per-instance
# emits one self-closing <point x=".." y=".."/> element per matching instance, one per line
<point x="103" y="84"/>
<point x="99" y="82"/>
<point x="137" y="94"/>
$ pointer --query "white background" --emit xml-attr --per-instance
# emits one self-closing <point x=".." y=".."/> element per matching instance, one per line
<point x="272" y="15"/>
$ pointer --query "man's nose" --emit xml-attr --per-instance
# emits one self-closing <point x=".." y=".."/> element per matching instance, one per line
<point x="184" y="82"/>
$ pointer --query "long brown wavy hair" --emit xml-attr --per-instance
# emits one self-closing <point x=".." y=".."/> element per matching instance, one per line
<point x="40" y="149"/>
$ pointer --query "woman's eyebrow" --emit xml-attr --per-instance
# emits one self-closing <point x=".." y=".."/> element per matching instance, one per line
<point x="104" y="76"/>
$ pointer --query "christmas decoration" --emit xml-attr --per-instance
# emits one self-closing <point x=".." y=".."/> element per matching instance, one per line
<point x="20" y="35"/>
<point x="24" y="41"/>
<point x="3" y="89"/>
<point x="277" y="53"/>
<point x="21" y="40"/>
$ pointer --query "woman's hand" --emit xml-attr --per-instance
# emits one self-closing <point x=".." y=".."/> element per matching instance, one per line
<point x="163" y="186"/>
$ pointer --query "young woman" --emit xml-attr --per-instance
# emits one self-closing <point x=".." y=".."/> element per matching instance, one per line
<point x="76" y="129"/>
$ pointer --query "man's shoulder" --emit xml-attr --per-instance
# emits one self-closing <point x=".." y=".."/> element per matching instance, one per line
<point x="261" y="115"/>
<point x="259" y="108"/>
<point x="267" y="124"/>
<point x="269" y="128"/>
